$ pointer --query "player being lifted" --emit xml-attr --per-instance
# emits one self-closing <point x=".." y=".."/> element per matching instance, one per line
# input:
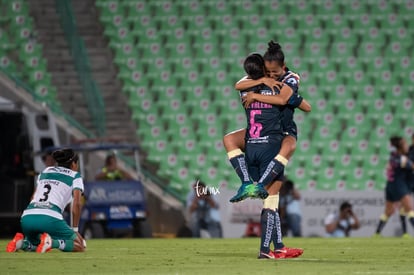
<point x="42" y="223"/>
<point x="264" y="135"/>
<point x="276" y="72"/>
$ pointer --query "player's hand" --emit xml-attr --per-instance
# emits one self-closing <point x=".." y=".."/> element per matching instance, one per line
<point x="248" y="99"/>
<point x="79" y="243"/>
<point x="270" y="82"/>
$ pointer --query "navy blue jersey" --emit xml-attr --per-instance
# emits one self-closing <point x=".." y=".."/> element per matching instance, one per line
<point x="396" y="173"/>
<point x="410" y="178"/>
<point x="289" y="127"/>
<point x="263" y="120"/>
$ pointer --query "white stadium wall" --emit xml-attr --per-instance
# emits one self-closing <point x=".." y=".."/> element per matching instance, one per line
<point x="315" y="205"/>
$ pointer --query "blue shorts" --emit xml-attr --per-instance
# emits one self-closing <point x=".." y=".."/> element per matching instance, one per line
<point x="395" y="191"/>
<point x="258" y="156"/>
<point x="290" y="129"/>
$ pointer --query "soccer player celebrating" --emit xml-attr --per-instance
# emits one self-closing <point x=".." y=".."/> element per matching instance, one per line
<point x="42" y="222"/>
<point x="274" y="61"/>
<point x="264" y="135"/>
<point x="397" y="190"/>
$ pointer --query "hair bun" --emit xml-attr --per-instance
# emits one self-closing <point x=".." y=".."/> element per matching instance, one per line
<point x="274" y="46"/>
<point x="64" y="155"/>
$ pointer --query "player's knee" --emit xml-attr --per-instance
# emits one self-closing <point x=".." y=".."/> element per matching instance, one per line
<point x="292" y="147"/>
<point x="291" y="144"/>
<point x="231" y="142"/>
<point x="227" y="142"/>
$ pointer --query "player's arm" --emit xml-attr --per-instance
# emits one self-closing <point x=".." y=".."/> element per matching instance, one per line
<point x="355" y="224"/>
<point x="194" y="204"/>
<point x="405" y="162"/>
<point x="331" y="227"/>
<point x="246" y="83"/>
<point x="76" y="207"/>
<point x="280" y="99"/>
<point x="305" y="106"/>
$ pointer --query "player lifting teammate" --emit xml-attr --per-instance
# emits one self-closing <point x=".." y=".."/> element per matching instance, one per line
<point x="277" y="72"/>
<point x="264" y="135"/>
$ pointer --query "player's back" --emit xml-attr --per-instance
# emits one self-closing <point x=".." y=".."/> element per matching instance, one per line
<point x="55" y="185"/>
<point x="263" y="120"/>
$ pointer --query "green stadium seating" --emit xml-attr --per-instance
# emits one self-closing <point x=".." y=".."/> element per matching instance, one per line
<point x="6" y="43"/>
<point x="136" y="8"/>
<point x="353" y="58"/>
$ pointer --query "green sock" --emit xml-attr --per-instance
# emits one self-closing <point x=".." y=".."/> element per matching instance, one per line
<point x="63" y="245"/>
<point x="28" y="246"/>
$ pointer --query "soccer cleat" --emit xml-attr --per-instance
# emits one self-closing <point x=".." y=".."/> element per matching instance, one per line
<point x="16" y="243"/>
<point x="270" y="255"/>
<point x="287" y="253"/>
<point x="45" y="243"/>
<point x="259" y="192"/>
<point x="245" y="191"/>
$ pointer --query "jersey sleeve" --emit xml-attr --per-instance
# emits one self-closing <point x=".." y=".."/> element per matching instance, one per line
<point x="78" y="184"/>
<point x="292" y="82"/>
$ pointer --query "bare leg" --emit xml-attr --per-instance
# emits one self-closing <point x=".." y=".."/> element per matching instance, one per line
<point x="234" y="140"/>
<point x="288" y="147"/>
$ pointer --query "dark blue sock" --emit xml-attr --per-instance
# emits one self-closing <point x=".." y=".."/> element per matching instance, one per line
<point x="403" y="224"/>
<point x="277" y="233"/>
<point x="273" y="170"/>
<point x="267" y="221"/>
<point x="239" y="165"/>
<point x="411" y="219"/>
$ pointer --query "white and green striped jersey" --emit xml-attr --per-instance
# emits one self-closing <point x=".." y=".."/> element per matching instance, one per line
<point x="54" y="191"/>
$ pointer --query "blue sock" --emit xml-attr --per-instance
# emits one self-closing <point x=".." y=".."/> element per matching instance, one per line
<point x="267" y="220"/>
<point x="411" y="220"/>
<point x="239" y="165"/>
<point x="403" y="224"/>
<point x="277" y="232"/>
<point x="274" y="169"/>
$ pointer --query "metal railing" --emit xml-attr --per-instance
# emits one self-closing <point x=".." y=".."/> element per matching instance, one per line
<point x="53" y="106"/>
<point x="92" y="93"/>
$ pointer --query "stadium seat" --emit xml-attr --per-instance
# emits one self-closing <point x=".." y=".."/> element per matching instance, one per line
<point x="353" y="57"/>
<point x="164" y="7"/>
<point x="326" y="7"/>
<point x="327" y="178"/>
<point x="341" y="49"/>
<point x="219" y="7"/>
<point x="353" y="8"/>
<point x="136" y="8"/>
<point x="192" y="7"/>
<point x="6" y="43"/>
<point x="332" y="21"/>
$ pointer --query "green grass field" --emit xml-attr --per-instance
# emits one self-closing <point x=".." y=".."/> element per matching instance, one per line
<point x="218" y="256"/>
